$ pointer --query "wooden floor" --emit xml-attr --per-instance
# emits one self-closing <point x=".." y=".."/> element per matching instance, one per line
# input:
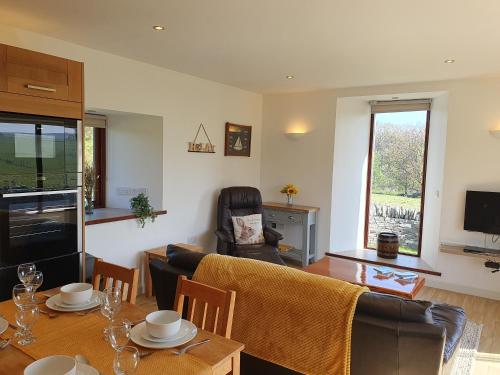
<point x="479" y="310"/>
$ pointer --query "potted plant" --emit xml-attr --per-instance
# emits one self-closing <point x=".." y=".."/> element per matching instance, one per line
<point x="142" y="209"/>
<point x="290" y="190"/>
<point x="89" y="186"/>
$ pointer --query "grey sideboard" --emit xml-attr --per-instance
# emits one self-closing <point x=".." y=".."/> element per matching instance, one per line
<point x="295" y="217"/>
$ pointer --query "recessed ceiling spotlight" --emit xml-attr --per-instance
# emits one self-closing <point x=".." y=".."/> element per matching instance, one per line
<point x="449" y="61"/>
<point x="158" y="28"/>
<point x="290" y="77"/>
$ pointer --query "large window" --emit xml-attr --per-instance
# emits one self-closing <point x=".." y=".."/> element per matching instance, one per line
<point x="95" y="155"/>
<point x="396" y="174"/>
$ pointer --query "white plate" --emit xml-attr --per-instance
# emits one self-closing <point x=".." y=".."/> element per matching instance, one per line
<point x="136" y="335"/>
<point x="83" y="369"/>
<point x="183" y="331"/>
<point x="54" y="303"/>
<point x="3" y="325"/>
<point x="59" y="302"/>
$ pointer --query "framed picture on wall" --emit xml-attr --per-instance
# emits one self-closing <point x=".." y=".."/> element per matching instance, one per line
<point x="238" y="140"/>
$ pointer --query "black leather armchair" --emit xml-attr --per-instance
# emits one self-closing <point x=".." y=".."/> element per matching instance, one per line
<point x="242" y="201"/>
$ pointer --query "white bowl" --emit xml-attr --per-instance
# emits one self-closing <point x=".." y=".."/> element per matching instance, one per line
<point x="163" y="324"/>
<point x="76" y="293"/>
<point x="53" y="365"/>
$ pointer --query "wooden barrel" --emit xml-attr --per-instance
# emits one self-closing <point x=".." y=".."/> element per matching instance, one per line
<point x="387" y="245"/>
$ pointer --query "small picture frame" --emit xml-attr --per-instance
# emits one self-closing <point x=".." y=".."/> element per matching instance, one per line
<point x="238" y="140"/>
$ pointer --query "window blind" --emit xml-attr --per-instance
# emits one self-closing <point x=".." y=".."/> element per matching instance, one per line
<point x="95" y="121"/>
<point x="384" y="106"/>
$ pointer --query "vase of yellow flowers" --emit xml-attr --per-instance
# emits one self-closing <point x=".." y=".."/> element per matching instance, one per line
<point x="290" y="190"/>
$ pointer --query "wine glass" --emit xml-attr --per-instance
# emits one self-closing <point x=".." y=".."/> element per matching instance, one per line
<point x="36" y="282"/>
<point x="126" y="361"/>
<point x="25" y="319"/>
<point x="119" y="333"/>
<point x="25" y="272"/>
<point x="22" y="295"/>
<point x="111" y="300"/>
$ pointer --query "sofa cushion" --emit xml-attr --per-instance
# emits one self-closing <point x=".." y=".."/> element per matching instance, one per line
<point x="385" y="306"/>
<point x="263" y="252"/>
<point x="453" y="319"/>
<point x="183" y="258"/>
<point x="248" y="229"/>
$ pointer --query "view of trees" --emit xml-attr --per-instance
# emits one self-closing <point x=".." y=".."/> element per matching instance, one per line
<point x="397" y="159"/>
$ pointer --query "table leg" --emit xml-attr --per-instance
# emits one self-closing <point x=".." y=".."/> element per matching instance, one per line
<point x="236" y="364"/>
<point x="147" y="276"/>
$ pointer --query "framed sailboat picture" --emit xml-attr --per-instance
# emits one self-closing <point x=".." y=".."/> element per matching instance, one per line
<point x="238" y="140"/>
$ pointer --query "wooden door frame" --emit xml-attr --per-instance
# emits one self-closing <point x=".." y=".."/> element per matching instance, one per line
<point x="369" y="183"/>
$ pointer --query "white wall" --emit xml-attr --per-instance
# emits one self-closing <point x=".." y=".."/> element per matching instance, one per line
<point x="134" y="158"/>
<point x="191" y="181"/>
<point x="306" y="162"/>
<point x="470" y="162"/>
<point x="350" y="168"/>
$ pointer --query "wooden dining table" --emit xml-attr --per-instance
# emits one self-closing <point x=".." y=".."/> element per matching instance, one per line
<point x="221" y="355"/>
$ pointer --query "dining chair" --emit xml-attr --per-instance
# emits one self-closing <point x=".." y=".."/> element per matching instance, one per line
<point x="220" y="302"/>
<point x="112" y="275"/>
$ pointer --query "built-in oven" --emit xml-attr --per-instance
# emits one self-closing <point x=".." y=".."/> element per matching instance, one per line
<point x="40" y="198"/>
<point x="37" y="153"/>
<point x="37" y="225"/>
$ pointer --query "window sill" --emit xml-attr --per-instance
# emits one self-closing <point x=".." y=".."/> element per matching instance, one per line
<point x="109" y="215"/>
<point x="404" y="262"/>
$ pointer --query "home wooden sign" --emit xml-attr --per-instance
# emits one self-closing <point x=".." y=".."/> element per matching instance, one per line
<point x="207" y="147"/>
<point x="238" y="140"/>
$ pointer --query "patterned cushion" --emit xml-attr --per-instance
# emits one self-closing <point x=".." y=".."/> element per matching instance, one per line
<point x="248" y="229"/>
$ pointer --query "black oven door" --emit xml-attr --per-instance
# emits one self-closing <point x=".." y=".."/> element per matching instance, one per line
<point x="37" y="153"/>
<point x="37" y="225"/>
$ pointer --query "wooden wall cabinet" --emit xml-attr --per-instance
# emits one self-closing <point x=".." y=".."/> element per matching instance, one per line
<point x="37" y="83"/>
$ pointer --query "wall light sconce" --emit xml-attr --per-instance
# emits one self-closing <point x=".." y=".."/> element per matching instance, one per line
<point x="295" y="135"/>
<point x="495" y="133"/>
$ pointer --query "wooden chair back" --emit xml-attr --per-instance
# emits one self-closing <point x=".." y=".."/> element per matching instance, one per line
<point x="220" y="302"/>
<point x="116" y="276"/>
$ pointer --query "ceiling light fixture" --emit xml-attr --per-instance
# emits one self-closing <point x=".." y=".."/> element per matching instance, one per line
<point x="290" y="77"/>
<point x="449" y="61"/>
<point x="158" y="28"/>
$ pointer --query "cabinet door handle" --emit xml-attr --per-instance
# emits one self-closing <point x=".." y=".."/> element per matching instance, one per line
<point x="291" y="218"/>
<point x="41" y="88"/>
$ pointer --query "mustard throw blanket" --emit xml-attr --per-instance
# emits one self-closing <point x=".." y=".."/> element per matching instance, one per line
<point x="283" y="315"/>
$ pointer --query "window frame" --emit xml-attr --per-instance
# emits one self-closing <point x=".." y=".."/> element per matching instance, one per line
<point x="99" y="151"/>
<point x="369" y="184"/>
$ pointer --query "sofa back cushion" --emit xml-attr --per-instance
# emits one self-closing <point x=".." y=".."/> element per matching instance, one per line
<point x="389" y="307"/>
<point x="182" y="258"/>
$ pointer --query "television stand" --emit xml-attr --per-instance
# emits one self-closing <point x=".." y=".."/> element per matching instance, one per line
<point x="481" y="250"/>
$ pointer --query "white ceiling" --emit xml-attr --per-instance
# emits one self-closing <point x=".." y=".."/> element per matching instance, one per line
<point x="254" y="44"/>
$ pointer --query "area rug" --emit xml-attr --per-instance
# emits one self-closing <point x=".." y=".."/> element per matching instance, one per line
<point x="466" y="352"/>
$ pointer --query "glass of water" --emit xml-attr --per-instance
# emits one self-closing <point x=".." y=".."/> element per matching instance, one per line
<point x="126" y="361"/>
<point x="25" y="272"/>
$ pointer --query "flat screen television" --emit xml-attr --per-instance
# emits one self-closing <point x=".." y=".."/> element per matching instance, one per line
<point x="482" y="212"/>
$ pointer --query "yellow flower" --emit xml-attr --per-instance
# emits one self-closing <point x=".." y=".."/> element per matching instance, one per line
<point x="289" y="189"/>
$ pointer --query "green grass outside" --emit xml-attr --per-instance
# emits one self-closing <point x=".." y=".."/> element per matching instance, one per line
<point x="395" y="201"/>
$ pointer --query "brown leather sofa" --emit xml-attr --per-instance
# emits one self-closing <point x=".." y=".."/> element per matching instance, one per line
<point x="243" y="201"/>
<point x="390" y="335"/>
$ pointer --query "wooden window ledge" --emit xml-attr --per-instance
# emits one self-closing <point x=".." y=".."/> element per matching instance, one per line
<point x="404" y="262"/>
<point x="109" y="215"/>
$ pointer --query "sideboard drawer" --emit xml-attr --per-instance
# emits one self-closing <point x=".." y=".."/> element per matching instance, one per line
<point x="282" y="217"/>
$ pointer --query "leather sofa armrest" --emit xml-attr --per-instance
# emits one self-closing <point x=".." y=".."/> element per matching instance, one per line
<point x="271" y="236"/>
<point x="406" y="348"/>
<point x="224" y="236"/>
